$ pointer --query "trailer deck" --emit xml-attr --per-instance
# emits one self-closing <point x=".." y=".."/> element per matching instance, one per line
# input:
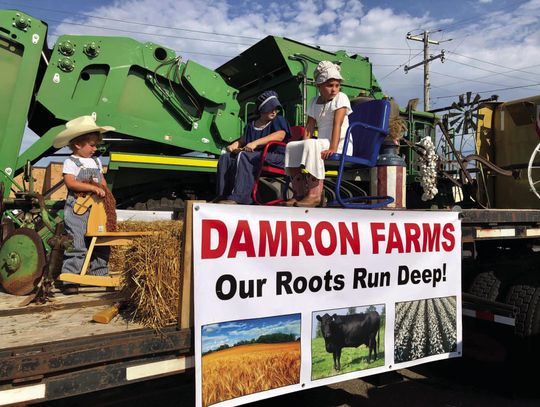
<point x="55" y="350"/>
<point x="64" y="317"/>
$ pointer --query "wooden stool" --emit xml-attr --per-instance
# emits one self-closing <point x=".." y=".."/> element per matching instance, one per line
<point x="97" y="231"/>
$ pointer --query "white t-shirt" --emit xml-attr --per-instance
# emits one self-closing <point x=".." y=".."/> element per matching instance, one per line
<point x="324" y="116"/>
<point x="71" y="168"/>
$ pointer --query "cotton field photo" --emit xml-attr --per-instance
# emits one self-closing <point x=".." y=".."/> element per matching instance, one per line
<point x="424" y="328"/>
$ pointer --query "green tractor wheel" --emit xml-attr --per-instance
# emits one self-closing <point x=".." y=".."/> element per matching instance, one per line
<point x="22" y="260"/>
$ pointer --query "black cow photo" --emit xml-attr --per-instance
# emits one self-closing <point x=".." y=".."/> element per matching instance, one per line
<point x="424" y="328"/>
<point x="347" y="340"/>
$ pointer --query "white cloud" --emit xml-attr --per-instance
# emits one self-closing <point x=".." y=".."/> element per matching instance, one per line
<point x="509" y="38"/>
<point x="334" y="4"/>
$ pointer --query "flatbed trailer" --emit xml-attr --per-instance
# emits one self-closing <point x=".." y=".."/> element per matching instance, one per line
<point x="53" y="351"/>
<point x="501" y="288"/>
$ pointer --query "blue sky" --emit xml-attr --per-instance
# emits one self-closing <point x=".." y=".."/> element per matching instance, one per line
<point x="495" y="44"/>
<point x="491" y="46"/>
<point x="232" y="332"/>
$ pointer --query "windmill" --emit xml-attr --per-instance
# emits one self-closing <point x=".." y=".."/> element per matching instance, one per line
<point x="465" y="116"/>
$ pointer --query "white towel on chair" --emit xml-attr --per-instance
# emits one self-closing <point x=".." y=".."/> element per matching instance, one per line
<point x="307" y="154"/>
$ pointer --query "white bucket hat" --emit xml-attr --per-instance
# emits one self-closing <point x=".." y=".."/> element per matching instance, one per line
<point x="77" y="127"/>
<point x="327" y="70"/>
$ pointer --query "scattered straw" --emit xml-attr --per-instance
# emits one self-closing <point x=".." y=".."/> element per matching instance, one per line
<point x="151" y="272"/>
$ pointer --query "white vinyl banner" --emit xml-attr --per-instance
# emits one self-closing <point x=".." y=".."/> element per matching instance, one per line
<point x="287" y="299"/>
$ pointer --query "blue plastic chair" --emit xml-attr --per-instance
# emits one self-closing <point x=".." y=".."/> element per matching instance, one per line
<point x="368" y="127"/>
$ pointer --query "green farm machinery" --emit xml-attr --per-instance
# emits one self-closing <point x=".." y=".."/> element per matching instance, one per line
<point x="173" y="118"/>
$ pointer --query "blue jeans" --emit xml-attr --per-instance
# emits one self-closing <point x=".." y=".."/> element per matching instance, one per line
<point x="236" y="173"/>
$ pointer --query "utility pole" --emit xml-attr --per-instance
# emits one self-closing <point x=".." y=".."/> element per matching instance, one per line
<point x="427" y="59"/>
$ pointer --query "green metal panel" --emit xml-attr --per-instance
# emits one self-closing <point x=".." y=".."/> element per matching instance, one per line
<point x="141" y="89"/>
<point x="287" y="66"/>
<point x="22" y="39"/>
<point x="207" y="83"/>
<point x="158" y="104"/>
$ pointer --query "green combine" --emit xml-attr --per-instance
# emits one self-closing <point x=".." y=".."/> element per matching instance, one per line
<point x="173" y="118"/>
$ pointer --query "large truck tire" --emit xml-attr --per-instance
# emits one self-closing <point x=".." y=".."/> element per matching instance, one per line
<point x="525" y="348"/>
<point x="485" y="285"/>
<point x="526" y="299"/>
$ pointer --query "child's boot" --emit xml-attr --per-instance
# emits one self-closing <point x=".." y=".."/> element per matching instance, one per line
<point x="298" y="184"/>
<point x="314" y="196"/>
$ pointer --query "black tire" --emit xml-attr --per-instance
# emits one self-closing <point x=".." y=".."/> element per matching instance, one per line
<point x="526" y="300"/>
<point x="525" y="348"/>
<point x="485" y="285"/>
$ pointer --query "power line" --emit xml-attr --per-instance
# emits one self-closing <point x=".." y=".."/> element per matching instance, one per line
<point x="191" y="38"/>
<point x="356" y="47"/>
<point x="462" y="79"/>
<point x="400" y="66"/>
<point x="147" y="33"/>
<point x="496" y="27"/>
<point x="179" y="51"/>
<point x="486" y="70"/>
<point x="254" y="38"/>
<point x="459" y="23"/>
<point x="347" y="46"/>
<point x="489" y="75"/>
<point x="130" y="22"/>
<point x="474" y="18"/>
<point x="492" y="90"/>
<point x="497" y="65"/>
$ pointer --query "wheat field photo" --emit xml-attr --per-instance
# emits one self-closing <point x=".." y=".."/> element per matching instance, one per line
<point x="249" y="356"/>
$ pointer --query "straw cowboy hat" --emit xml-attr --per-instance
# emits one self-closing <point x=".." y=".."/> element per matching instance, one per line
<point x="77" y="127"/>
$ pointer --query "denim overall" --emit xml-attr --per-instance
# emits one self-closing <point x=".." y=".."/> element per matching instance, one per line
<point x="75" y="225"/>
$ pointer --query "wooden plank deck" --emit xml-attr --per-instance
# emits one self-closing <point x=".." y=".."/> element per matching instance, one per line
<point x="64" y="317"/>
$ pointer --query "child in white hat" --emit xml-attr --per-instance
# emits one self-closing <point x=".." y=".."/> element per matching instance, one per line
<point x="82" y="173"/>
<point x="328" y="112"/>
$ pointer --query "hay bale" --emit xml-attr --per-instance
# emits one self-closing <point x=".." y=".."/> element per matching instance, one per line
<point x="151" y="271"/>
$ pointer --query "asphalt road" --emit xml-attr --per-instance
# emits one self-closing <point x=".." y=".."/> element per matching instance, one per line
<point x="451" y="383"/>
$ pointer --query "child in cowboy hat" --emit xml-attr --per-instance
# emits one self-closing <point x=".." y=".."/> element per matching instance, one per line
<point x="238" y="167"/>
<point x="81" y="173"/>
<point x="328" y="112"/>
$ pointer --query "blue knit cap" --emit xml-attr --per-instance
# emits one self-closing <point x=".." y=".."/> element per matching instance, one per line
<point x="267" y="101"/>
